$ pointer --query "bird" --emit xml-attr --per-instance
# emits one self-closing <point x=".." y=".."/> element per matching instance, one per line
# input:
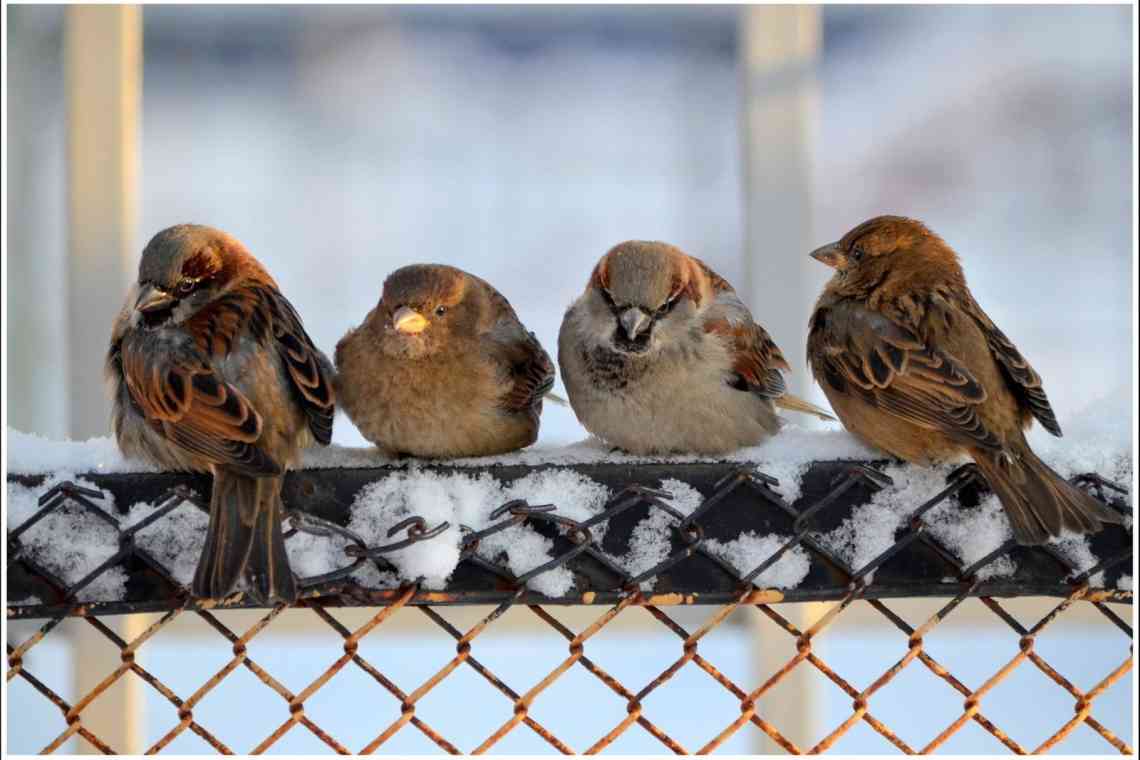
<point x="913" y="366"/>
<point x="442" y="367"/>
<point x="210" y="370"/>
<point x="659" y="355"/>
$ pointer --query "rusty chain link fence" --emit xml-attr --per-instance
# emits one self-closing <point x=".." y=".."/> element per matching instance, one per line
<point x="737" y="501"/>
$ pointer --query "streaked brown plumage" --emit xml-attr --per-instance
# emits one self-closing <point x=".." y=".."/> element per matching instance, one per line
<point x="211" y="370"/>
<point x="660" y="355"/>
<point x="913" y="365"/>
<point x="442" y="367"/>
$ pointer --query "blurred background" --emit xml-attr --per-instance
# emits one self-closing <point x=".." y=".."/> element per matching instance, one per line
<point x="521" y="143"/>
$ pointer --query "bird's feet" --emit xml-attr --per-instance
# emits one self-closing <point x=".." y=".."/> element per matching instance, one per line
<point x="965" y="473"/>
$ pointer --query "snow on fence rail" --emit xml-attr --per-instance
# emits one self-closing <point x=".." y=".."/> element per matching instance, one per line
<point x="607" y="531"/>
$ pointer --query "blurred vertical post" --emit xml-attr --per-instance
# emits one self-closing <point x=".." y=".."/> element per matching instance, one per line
<point x="103" y="79"/>
<point x="779" y="50"/>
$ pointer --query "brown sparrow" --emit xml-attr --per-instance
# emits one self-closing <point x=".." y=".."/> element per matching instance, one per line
<point x="660" y="355"/>
<point x="442" y="367"/>
<point x="211" y="370"/>
<point x="913" y="366"/>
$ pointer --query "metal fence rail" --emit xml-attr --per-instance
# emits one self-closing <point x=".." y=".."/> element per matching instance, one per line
<point x="737" y="500"/>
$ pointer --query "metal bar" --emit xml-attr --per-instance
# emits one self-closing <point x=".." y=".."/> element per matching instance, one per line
<point x="691" y="574"/>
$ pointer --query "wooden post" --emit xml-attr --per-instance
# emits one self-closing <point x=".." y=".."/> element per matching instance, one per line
<point x="103" y="79"/>
<point x="779" y="49"/>
<point x="103" y="71"/>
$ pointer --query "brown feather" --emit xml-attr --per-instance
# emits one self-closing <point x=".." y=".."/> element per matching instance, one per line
<point x="914" y="366"/>
<point x="223" y="382"/>
<point x="756" y="358"/>
<point x="469" y="384"/>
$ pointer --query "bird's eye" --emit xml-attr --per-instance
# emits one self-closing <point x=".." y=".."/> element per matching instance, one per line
<point x="857" y="252"/>
<point x="667" y="307"/>
<point x="185" y="286"/>
<point x="608" y="298"/>
<point x="440" y="311"/>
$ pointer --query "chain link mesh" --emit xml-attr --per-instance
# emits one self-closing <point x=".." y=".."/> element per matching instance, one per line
<point x="917" y="564"/>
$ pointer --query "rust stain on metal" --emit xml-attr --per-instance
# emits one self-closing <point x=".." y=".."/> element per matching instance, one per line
<point x="669" y="599"/>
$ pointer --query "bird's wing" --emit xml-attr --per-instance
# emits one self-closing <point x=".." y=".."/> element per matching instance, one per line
<point x="1023" y="380"/>
<point x="756" y="360"/>
<point x="309" y="369"/>
<point x="175" y="387"/>
<point x="527" y="364"/>
<point x="263" y="313"/>
<point x="888" y="365"/>
<point x="514" y="350"/>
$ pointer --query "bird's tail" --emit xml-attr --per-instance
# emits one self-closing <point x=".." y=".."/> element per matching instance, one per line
<point x="797" y="404"/>
<point x="245" y="536"/>
<point x="1039" y="502"/>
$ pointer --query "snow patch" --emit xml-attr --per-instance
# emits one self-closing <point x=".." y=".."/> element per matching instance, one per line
<point x="311" y="554"/>
<point x="32" y="454"/>
<point x="867" y="533"/>
<point x="70" y="542"/>
<point x="750" y="550"/>
<point x="175" y="540"/>
<point x="784" y="456"/>
<point x="650" y="541"/>
<point x="575" y="496"/>
<point x="467" y="501"/>
<point x="969" y="532"/>
<point x="1097" y="439"/>
<point x="1075" y="548"/>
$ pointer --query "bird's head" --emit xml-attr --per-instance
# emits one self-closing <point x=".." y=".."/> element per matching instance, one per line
<point x="889" y="249"/>
<point x="423" y="307"/>
<point x="184" y="268"/>
<point x="643" y="295"/>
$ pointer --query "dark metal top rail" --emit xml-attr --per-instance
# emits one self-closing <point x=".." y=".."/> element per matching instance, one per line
<point x="737" y="500"/>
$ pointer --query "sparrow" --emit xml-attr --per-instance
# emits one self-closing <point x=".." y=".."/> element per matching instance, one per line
<point x="914" y="366"/>
<point x="210" y="370"/>
<point x="442" y="368"/>
<point x="659" y="355"/>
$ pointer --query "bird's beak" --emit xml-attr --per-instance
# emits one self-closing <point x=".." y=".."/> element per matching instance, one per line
<point x="153" y="298"/>
<point x="830" y="254"/>
<point x="408" y="321"/>
<point x="634" y="321"/>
